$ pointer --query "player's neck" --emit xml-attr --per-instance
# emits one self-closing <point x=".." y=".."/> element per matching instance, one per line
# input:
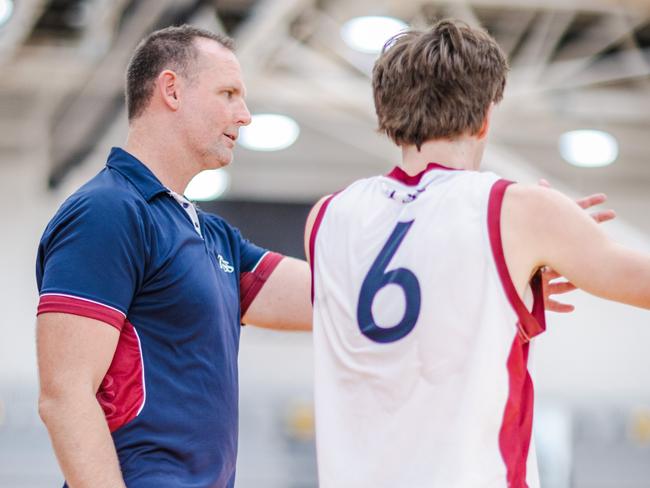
<point x="164" y="158"/>
<point x="461" y="153"/>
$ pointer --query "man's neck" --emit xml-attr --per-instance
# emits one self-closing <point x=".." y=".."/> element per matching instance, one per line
<point x="461" y="153"/>
<point x="162" y="156"/>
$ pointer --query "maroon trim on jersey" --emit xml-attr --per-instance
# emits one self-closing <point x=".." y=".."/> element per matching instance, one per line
<point x="312" y="239"/>
<point x="251" y="282"/>
<point x="122" y="392"/>
<point x="400" y="175"/>
<point x="529" y="325"/>
<point x="517" y="423"/>
<point x="61" y="303"/>
<point x="516" y="427"/>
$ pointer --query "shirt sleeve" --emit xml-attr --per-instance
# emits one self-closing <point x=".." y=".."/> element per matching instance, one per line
<point x="91" y="258"/>
<point x="256" y="265"/>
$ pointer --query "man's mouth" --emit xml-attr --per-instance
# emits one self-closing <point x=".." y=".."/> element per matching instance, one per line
<point x="233" y="137"/>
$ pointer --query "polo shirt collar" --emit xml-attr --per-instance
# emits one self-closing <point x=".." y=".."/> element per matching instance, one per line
<point x="136" y="172"/>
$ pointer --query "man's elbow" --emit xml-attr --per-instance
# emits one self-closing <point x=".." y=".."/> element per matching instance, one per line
<point x="54" y="403"/>
<point x="48" y="407"/>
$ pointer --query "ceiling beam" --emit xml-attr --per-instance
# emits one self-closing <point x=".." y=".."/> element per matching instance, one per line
<point x="76" y="125"/>
<point x="540" y="44"/>
<point x="17" y="30"/>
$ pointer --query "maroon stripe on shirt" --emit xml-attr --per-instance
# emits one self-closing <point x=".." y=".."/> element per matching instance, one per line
<point x="516" y="426"/>
<point x="252" y="282"/>
<point x="54" y="303"/>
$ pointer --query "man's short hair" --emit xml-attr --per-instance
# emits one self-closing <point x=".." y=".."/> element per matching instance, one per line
<point x="169" y="48"/>
<point x="437" y="83"/>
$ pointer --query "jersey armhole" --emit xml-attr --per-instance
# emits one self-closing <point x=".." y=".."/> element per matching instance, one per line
<point x="312" y="239"/>
<point x="530" y="323"/>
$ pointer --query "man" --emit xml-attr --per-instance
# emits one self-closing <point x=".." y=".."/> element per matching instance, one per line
<point x="142" y="294"/>
<point x="426" y="287"/>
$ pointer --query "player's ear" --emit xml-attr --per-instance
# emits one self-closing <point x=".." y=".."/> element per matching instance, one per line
<point x="485" y="127"/>
<point x="167" y="86"/>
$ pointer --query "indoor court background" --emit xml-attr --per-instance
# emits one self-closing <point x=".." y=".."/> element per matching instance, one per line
<point x="576" y="64"/>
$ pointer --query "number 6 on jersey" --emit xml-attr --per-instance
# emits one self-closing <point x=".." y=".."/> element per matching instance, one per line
<point x="376" y="279"/>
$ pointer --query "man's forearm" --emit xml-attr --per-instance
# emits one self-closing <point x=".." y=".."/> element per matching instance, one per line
<point x="82" y="441"/>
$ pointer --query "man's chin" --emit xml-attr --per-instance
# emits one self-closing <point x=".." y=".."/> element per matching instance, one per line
<point x="221" y="161"/>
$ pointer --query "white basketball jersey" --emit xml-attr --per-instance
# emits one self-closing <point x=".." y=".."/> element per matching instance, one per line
<point x="421" y="341"/>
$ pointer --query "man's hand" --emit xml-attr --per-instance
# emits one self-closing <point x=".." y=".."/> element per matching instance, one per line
<point x="552" y="287"/>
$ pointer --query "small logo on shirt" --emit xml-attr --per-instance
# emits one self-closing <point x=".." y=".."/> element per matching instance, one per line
<point x="225" y="265"/>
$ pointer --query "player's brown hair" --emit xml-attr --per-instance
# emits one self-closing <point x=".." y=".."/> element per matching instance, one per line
<point x="437" y="83"/>
<point x="169" y="48"/>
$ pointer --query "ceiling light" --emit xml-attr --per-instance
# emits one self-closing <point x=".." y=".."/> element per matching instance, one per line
<point x="208" y="185"/>
<point x="269" y="132"/>
<point x="6" y="9"/>
<point x="369" y="34"/>
<point x="588" y="148"/>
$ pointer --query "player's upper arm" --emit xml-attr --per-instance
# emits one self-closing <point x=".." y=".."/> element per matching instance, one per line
<point x="550" y="229"/>
<point x="74" y="353"/>
<point x="309" y="225"/>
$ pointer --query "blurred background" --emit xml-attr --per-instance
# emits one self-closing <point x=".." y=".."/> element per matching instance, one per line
<point x="576" y="112"/>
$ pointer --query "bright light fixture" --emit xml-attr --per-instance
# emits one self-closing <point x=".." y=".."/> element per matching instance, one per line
<point x="269" y="132"/>
<point x="369" y="34"/>
<point x="208" y="185"/>
<point x="6" y="9"/>
<point x="588" y="148"/>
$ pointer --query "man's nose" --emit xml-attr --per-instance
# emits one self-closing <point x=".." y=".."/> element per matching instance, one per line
<point x="243" y="115"/>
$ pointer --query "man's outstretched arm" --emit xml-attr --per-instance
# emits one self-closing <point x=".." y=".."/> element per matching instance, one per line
<point x="74" y="354"/>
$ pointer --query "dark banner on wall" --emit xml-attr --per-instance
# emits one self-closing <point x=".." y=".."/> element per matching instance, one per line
<point x="276" y="226"/>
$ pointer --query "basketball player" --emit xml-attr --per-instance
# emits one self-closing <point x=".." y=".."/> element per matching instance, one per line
<point x="426" y="284"/>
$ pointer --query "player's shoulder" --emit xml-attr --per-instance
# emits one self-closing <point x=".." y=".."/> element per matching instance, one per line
<point x="535" y="205"/>
<point x="533" y="196"/>
<point x="325" y="200"/>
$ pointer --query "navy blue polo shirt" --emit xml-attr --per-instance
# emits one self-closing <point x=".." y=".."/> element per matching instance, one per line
<point x="122" y="250"/>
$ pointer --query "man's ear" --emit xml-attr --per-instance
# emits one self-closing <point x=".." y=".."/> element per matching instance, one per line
<point x="167" y="86"/>
<point x="485" y="126"/>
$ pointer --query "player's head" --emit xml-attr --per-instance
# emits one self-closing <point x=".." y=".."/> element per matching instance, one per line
<point x="189" y="78"/>
<point x="437" y="84"/>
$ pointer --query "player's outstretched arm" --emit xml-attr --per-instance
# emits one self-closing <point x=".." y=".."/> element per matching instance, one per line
<point x="283" y="303"/>
<point x="551" y="287"/>
<point x="74" y="354"/>
<point x="541" y="226"/>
